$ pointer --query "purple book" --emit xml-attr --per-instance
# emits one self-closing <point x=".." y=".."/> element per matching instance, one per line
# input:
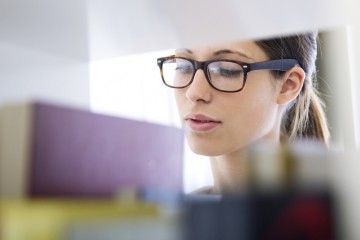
<point x="76" y="153"/>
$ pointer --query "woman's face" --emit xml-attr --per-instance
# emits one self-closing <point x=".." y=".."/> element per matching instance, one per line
<point x="218" y="123"/>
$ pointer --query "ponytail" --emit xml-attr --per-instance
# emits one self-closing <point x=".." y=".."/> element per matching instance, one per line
<point x="305" y="119"/>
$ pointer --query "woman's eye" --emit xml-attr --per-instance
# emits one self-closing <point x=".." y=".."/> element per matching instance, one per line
<point x="226" y="72"/>
<point x="184" y="68"/>
<point x="230" y="73"/>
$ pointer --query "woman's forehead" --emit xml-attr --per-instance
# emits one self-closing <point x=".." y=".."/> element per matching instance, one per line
<point x="244" y="49"/>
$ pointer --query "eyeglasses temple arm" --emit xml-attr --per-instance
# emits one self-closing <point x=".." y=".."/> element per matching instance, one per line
<point x="279" y="65"/>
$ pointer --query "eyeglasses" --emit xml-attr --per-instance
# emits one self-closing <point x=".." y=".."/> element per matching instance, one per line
<point x="223" y="75"/>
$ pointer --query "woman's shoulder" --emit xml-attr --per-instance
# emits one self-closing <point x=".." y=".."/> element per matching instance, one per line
<point x="203" y="190"/>
<point x="203" y="194"/>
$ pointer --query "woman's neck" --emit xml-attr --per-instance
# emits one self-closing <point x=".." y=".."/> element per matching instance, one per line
<point x="230" y="173"/>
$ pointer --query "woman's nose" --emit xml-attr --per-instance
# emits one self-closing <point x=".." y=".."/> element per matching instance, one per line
<point x="199" y="89"/>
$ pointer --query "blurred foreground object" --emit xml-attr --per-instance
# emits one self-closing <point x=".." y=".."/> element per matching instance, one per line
<point x="275" y="215"/>
<point x="48" y="150"/>
<point x="54" y="219"/>
<point x="293" y="192"/>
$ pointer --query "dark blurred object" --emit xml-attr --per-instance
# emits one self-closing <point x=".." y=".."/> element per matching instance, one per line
<point x="282" y="215"/>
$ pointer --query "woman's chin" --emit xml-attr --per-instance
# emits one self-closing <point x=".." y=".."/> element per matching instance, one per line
<point x="205" y="150"/>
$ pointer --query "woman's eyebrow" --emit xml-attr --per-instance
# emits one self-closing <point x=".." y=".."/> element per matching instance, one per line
<point x="184" y="50"/>
<point x="227" y="51"/>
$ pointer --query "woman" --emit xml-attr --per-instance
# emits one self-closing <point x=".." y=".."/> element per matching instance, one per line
<point x="233" y="95"/>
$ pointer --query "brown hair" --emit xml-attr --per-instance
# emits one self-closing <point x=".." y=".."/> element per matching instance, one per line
<point x="305" y="117"/>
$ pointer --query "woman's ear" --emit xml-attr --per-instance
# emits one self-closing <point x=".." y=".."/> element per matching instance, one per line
<point x="292" y="84"/>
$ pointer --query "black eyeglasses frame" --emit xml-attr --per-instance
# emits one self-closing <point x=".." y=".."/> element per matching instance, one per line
<point x="282" y="65"/>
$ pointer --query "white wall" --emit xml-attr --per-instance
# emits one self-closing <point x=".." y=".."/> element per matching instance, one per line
<point x="44" y="51"/>
<point x="31" y="74"/>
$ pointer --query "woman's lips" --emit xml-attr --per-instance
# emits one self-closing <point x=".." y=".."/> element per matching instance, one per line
<point x="201" y="123"/>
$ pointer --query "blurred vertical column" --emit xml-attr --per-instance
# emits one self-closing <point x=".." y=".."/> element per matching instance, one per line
<point x="44" y="51"/>
<point x="341" y="58"/>
<point x="337" y="75"/>
<point x="354" y="54"/>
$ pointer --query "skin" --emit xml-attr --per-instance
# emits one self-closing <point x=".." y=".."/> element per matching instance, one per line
<point x="246" y="117"/>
